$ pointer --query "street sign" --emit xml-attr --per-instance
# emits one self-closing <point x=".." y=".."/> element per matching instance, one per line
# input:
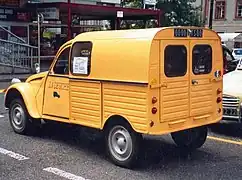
<point x="120" y="14"/>
<point x="150" y="2"/>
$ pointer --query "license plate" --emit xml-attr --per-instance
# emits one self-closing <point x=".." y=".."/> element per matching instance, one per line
<point x="230" y="112"/>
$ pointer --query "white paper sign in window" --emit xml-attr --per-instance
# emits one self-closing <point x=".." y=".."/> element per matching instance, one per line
<point x="80" y="65"/>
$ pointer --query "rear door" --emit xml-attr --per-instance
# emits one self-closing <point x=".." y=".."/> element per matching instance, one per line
<point x="201" y="55"/>
<point x="175" y="80"/>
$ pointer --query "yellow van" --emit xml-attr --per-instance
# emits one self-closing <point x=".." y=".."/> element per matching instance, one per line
<point x="128" y="83"/>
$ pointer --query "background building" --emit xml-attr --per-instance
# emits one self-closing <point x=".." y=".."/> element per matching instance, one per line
<point x="227" y="16"/>
<point x="63" y="20"/>
<point x="227" y="20"/>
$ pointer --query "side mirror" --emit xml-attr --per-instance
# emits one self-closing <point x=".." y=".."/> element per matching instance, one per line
<point x="37" y="67"/>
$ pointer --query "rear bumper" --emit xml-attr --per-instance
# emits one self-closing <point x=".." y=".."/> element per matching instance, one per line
<point x="231" y="119"/>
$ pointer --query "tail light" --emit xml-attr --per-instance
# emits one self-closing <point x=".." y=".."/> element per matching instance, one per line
<point x="154" y="100"/>
<point x="154" y="110"/>
<point x="219" y="100"/>
<point x="219" y="91"/>
<point x="219" y="110"/>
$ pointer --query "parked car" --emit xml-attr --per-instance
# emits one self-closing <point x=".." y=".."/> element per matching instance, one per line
<point x="237" y="53"/>
<point x="229" y="61"/>
<point x="232" y="95"/>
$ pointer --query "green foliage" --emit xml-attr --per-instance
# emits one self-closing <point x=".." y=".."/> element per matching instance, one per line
<point x="132" y="3"/>
<point x="179" y="13"/>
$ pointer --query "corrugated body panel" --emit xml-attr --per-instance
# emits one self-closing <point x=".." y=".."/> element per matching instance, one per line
<point x="175" y="101"/>
<point x="201" y="99"/>
<point x="85" y="103"/>
<point x="126" y="100"/>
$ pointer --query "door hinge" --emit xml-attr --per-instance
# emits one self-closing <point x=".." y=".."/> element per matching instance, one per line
<point x="158" y="85"/>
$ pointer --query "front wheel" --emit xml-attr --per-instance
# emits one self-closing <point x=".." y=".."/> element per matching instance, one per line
<point x="19" y="117"/>
<point x="122" y="144"/>
<point x="190" y="139"/>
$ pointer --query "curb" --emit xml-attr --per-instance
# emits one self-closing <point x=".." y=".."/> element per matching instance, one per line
<point x="9" y="80"/>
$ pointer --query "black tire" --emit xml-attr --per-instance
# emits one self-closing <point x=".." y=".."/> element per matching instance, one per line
<point x="190" y="139"/>
<point x="122" y="133"/>
<point x="19" y="117"/>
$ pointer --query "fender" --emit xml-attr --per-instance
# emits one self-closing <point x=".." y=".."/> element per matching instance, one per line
<point x="27" y="93"/>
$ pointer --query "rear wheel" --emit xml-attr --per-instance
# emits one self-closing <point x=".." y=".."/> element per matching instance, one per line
<point x="19" y="118"/>
<point x="190" y="139"/>
<point x="122" y="144"/>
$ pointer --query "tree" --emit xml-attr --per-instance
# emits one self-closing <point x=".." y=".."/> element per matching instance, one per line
<point x="179" y="13"/>
<point x="132" y="3"/>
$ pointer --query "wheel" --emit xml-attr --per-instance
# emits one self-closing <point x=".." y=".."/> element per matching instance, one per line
<point x="190" y="139"/>
<point x="122" y="144"/>
<point x="19" y="118"/>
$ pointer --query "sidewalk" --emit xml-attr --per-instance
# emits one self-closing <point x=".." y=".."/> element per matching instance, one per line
<point x="5" y="80"/>
<point x="9" y="77"/>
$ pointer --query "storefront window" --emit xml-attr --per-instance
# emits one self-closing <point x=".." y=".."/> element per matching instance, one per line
<point x="3" y="34"/>
<point x="51" y="39"/>
<point x="20" y="31"/>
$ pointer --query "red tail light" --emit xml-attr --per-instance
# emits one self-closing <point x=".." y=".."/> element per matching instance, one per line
<point x="154" y="110"/>
<point x="154" y="100"/>
<point x="219" y="100"/>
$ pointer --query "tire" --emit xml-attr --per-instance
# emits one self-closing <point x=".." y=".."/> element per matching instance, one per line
<point x="190" y="139"/>
<point x="122" y="144"/>
<point x="19" y="117"/>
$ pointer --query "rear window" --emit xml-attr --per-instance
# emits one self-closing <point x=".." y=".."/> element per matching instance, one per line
<point x="175" y="60"/>
<point x="202" y="59"/>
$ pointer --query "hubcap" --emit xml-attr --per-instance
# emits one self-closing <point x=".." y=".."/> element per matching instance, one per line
<point x="120" y="143"/>
<point x="17" y="116"/>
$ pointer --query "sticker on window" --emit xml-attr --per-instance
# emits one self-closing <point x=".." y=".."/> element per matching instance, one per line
<point x="80" y="65"/>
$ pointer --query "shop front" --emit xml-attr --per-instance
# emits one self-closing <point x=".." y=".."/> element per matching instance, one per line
<point x="63" y="21"/>
<point x="15" y="20"/>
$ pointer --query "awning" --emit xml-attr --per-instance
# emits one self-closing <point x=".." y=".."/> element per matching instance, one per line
<point x="107" y="12"/>
<point x="228" y="36"/>
<point x="99" y="12"/>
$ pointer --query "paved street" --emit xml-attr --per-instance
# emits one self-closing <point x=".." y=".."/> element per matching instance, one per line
<point x="63" y="151"/>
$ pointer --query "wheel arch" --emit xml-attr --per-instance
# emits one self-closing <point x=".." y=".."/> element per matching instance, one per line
<point x="117" y="119"/>
<point x="26" y="95"/>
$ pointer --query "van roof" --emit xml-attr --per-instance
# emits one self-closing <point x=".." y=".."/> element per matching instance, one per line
<point x="126" y="55"/>
<point x="149" y="33"/>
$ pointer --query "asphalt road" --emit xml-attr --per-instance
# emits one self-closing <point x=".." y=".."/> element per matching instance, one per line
<point x="63" y="151"/>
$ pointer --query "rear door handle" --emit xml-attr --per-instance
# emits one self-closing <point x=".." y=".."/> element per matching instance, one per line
<point x="55" y="94"/>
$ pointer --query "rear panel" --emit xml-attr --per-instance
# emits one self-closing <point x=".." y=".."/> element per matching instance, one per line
<point x="190" y="81"/>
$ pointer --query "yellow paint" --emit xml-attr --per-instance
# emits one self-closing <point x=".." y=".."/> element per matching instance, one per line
<point x="2" y="90"/>
<point x="225" y="140"/>
<point x="126" y="71"/>
<point x="28" y="94"/>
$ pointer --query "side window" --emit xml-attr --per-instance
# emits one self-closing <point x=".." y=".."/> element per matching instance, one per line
<point x="81" y="58"/>
<point x="202" y="59"/>
<point x="61" y="66"/>
<point x="175" y="60"/>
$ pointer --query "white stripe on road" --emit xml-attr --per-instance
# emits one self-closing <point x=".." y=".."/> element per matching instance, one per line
<point x="63" y="174"/>
<point x="13" y="154"/>
<point x="1" y="116"/>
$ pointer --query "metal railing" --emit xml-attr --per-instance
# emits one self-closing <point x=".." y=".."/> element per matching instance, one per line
<point x="16" y="54"/>
<point x="14" y="37"/>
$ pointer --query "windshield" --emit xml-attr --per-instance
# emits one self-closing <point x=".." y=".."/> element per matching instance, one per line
<point x="238" y="52"/>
